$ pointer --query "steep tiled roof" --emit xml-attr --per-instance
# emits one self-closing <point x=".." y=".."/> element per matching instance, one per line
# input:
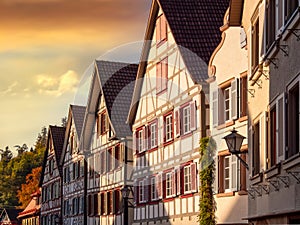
<point x="58" y="137"/>
<point x="117" y="82"/>
<point x="78" y="116"/>
<point x="195" y="26"/>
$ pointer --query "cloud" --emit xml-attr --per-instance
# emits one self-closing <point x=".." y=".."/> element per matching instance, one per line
<point x="10" y="89"/>
<point x="53" y="86"/>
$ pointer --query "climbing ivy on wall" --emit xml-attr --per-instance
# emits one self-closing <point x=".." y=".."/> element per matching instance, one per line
<point x="207" y="175"/>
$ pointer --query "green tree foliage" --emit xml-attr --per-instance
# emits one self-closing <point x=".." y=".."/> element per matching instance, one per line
<point x="207" y="175"/>
<point x="13" y="171"/>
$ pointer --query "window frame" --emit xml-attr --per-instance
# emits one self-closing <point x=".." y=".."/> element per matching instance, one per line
<point x="187" y="179"/>
<point x="161" y="34"/>
<point x="255" y="39"/>
<point x="168" y="127"/>
<point x="186" y="119"/>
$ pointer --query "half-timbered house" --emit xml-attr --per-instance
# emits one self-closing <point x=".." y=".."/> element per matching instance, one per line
<point x="50" y="181"/>
<point x="169" y="113"/>
<point x="106" y="139"/>
<point x="73" y="164"/>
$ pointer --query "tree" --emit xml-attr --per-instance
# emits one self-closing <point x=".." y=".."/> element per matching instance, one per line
<point x="6" y="155"/>
<point x="41" y="141"/>
<point x="21" y="149"/>
<point x="207" y="177"/>
<point x="64" y="121"/>
<point x="31" y="186"/>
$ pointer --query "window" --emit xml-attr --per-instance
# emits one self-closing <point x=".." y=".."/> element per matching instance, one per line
<point x="141" y="192"/>
<point x="102" y="123"/>
<point x="95" y="204"/>
<point x="169" y="185"/>
<point x="75" y="170"/>
<point x="140" y="140"/>
<point x="153" y="135"/>
<point x="103" y="162"/>
<point x="91" y="166"/>
<point x="186" y="114"/>
<point x="187" y="179"/>
<point x="276" y="132"/>
<point x="290" y="8"/>
<point x="227" y="103"/>
<point x="75" y="206"/>
<point x="153" y="190"/>
<point x="103" y="203"/>
<point x="110" y="202"/>
<point x="118" y="200"/>
<point x="81" y="204"/>
<point x="51" y="166"/>
<point x="270" y="23"/>
<point x="162" y="76"/>
<point x="110" y="159"/>
<point x="255" y="45"/>
<point x="256" y="149"/>
<point x="118" y="158"/>
<point x="293" y="119"/>
<point x="161" y="30"/>
<point x="168" y="127"/>
<point x="66" y="207"/>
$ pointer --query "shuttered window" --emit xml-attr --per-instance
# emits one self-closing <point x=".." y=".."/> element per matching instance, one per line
<point x="168" y="127"/>
<point x="161" y="30"/>
<point x="161" y="76"/>
<point x="215" y="108"/>
<point x="228" y="173"/>
<point x="169" y="182"/>
<point x="153" y="134"/>
<point x="153" y="190"/>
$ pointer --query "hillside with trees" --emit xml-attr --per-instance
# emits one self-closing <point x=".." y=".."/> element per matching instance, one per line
<point x="20" y="172"/>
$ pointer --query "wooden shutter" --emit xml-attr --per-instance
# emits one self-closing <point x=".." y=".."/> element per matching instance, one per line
<point x="215" y="108"/>
<point x="221" y="174"/>
<point x="145" y="138"/>
<point x="193" y="115"/>
<point x="280" y="128"/>
<point x="158" y="182"/>
<point x="178" y="181"/>
<point x="158" y="77"/>
<point x="221" y="113"/>
<point x="98" y="123"/>
<point x="243" y="174"/>
<point x="99" y="203"/>
<point x="177" y="123"/>
<point x="106" y="122"/>
<point x="164" y="74"/>
<point x="174" y="182"/>
<point x="134" y="144"/>
<point x="156" y="127"/>
<point x="158" y="30"/>
<point x="234" y="99"/>
<point x="194" y="177"/>
<point x="163" y="26"/>
<point x="234" y="173"/>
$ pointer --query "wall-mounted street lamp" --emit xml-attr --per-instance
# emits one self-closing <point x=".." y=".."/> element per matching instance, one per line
<point x="234" y="143"/>
<point x="126" y="190"/>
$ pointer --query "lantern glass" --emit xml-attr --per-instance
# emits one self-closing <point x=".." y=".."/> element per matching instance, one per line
<point x="234" y="142"/>
<point x="125" y="192"/>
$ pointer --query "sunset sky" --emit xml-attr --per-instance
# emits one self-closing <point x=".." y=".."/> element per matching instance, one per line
<point x="46" y="47"/>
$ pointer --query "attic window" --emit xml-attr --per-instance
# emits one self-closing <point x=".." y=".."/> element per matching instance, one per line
<point x="102" y="123"/>
<point x="161" y="30"/>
